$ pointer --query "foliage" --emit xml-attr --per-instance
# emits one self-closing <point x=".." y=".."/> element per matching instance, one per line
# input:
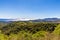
<point x="3" y="37"/>
<point x="16" y="27"/>
<point x="40" y="34"/>
<point x="57" y="30"/>
<point x="29" y="31"/>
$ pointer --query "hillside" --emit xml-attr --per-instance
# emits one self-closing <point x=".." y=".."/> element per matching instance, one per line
<point x="28" y="30"/>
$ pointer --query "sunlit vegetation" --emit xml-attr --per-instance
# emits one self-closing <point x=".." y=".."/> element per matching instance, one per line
<point x="30" y="31"/>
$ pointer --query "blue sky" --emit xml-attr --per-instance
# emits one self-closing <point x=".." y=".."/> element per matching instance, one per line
<point x="29" y="9"/>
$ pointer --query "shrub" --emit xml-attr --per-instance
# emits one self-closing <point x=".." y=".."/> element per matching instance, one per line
<point x="24" y="36"/>
<point x="39" y="34"/>
<point x="57" y="30"/>
<point x="3" y="37"/>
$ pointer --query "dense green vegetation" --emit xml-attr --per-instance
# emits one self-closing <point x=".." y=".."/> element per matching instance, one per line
<point x="30" y="31"/>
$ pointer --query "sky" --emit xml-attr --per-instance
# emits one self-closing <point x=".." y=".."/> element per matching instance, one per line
<point x="30" y="9"/>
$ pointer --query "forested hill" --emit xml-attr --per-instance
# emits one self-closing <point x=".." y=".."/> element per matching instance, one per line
<point x="19" y="30"/>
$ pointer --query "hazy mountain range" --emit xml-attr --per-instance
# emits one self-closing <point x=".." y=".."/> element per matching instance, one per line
<point x="46" y="20"/>
<point x="34" y="20"/>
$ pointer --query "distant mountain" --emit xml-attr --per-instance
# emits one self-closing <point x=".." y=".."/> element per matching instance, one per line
<point x="8" y="20"/>
<point x="47" y="20"/>
<point x="51" y="19"/>
<point x="35" y="20"/>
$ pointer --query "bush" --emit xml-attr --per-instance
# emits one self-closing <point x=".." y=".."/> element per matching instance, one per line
<point x="3" y="37"/>
<point x="57" y="30"/>
<point x="24" y="36"/>
<point x="12" y="37"/>
<point x="39" y="34"/>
